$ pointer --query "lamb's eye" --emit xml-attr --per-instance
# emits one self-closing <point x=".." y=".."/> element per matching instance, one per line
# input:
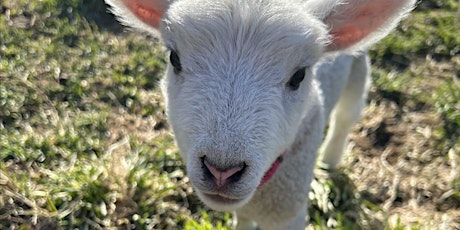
<point x="175" y="61"/>
<point x="296" y="79"/>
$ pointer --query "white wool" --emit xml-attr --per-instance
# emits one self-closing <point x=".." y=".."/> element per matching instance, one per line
<point x="230" y="105"/>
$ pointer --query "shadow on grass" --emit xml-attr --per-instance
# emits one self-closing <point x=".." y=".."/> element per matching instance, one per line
<point x="335" y="203"/>
<point x="94" y="11"/>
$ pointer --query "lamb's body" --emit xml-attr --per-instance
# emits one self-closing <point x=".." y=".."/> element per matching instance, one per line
<point x="252" y="79"/>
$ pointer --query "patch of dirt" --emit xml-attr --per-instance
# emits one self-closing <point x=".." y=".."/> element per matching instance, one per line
<point x="397" y="161"/>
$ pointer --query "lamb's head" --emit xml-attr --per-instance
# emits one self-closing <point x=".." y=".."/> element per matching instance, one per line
<point x="240" y="79"/>
<point x="235" y="91"/>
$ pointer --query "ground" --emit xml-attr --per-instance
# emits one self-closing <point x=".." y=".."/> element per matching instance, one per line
<point x="84" y="142"/>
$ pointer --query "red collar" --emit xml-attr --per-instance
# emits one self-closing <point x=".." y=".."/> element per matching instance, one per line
<point x="270" y="172"/>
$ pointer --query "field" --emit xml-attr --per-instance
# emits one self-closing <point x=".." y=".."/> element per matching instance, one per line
<point x="84" y="142"/>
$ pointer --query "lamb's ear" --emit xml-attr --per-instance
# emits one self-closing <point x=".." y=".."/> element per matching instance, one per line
<point x="142" y="14"/>
<point x="356" y="24"/>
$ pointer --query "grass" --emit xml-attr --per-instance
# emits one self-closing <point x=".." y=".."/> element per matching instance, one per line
<point x="84" y="142"/>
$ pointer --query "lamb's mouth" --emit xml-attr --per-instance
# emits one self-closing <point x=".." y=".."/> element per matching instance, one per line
<point x="220" y="198"/>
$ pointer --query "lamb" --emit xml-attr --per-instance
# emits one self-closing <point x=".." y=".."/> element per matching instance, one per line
<point x="250" y="87"/>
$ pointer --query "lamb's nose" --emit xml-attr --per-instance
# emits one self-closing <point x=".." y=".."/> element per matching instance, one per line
<point x="223" y="176"/>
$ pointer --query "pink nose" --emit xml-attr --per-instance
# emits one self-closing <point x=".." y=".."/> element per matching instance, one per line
<point x="221" y="176"/>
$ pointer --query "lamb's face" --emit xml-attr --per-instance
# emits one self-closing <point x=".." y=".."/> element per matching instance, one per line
<point x="237" y="88"/>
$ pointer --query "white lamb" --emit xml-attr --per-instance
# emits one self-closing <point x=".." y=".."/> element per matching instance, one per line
<point x="253" y="81"/>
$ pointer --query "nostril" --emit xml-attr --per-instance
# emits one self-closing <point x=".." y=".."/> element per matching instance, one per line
<point x="223" y="176"/>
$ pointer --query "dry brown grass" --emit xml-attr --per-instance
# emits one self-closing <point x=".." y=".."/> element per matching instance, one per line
<point x="397" y="161"/>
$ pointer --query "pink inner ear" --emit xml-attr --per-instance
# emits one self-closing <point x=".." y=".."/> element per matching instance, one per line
<point x="148" y="12"/>
<point x="350" y="24"/>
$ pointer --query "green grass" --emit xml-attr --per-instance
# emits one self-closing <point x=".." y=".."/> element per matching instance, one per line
<point x="426" y="38"/>
<point x="84" y="142"/>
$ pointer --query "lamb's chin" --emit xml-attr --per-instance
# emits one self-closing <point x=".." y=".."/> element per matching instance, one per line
<point x="221" y="202"/>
